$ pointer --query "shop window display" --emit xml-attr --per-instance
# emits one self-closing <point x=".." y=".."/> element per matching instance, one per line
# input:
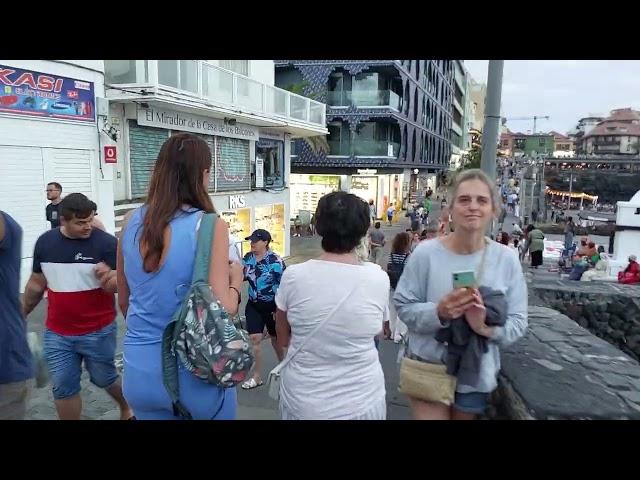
<point x="239" y="226"/>
<point x="272" y="154"/>
<point x="271" y="218"/>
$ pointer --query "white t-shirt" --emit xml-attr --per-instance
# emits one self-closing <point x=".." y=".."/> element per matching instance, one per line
<point x="337" y="374"/>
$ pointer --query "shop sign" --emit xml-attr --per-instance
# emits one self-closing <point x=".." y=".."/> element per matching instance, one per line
<point x="259" y="172"/>
<point x="367" y="171"/>
<point x="237" y="201"/>
<point x="110" y="154"/>
<point x="155" y="117"/>
<point x="36" y="94"/>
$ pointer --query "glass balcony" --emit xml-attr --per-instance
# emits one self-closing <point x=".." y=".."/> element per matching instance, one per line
<point x="210" y="83"/>
<point x="364" y="98"/>
<point x="370" y="148"/>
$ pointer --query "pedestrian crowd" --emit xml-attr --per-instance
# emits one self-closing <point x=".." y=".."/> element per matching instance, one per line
<point x="450" y="296"/>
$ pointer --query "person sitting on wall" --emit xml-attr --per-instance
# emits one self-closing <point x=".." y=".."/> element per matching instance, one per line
<point x="631" y="274"/>
<point x="599" y="272"/>
<point x="579" y="268"/>
<point x="583" y="249"/>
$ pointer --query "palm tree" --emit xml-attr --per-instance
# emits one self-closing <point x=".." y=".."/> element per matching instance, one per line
<point x="318" y="143"/>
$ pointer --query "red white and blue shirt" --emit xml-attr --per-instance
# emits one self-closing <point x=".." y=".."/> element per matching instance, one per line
<point x="77" y="303"/>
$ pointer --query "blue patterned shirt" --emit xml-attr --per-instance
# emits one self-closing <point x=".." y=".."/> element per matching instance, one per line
<point x="263" y="276"/>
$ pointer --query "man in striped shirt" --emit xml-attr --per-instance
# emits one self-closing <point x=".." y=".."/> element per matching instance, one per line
<point x="76" y="264"/>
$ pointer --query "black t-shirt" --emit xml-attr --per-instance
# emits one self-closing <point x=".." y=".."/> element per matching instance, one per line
<point x="53" y="215"/>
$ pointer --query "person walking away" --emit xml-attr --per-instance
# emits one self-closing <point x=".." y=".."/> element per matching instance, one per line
<point x="510" y="202"/>
<point x="263" y="270"/>
<point x="16" y="364"/>
<point x="569" y="232"/>
<point x="516" y="206"/>
<point x="377" y="243"/>
<point x="414" y="216"/>
<point x="489" y="316"/>
<point x="156" y="259"/>
<point x="390" y="213"/>
<point x="535" y="245"/>
<point x="400" y="250"/>
<point x="298" y="224"/>
<point x="329" y="309"/>
<point x="75" y="265"/>
<point x="372" y="211"/>
<point x="54" y="195"/>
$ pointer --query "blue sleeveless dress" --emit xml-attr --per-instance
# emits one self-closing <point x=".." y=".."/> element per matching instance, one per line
<point x="154" y="298"/>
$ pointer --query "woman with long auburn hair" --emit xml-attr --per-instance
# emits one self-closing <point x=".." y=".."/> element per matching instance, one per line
<point x="156" y="256"/>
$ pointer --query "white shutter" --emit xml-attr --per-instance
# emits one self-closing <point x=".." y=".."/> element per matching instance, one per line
<point x="71" y="169"/>
<point x="22" y="192"/>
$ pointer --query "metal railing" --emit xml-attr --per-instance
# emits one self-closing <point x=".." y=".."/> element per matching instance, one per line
<point x="208" y="82"/>
<point x="364" y="98"/>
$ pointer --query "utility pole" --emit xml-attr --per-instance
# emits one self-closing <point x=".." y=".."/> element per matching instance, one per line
<point x="492" y="118"/>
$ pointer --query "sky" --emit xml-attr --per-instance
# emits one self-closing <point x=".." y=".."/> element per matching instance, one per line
<point x="565" y="90"/>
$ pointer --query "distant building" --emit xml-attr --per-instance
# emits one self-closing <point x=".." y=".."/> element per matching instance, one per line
<point x="562" y="143"/>
<point x="618" y="134"/>
<point x="584" y="126"/>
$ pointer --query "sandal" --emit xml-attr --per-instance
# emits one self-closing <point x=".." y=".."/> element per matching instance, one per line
<point x="251" y="383"/>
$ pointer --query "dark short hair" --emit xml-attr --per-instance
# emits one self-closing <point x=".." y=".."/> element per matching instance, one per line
<point x="55" y="184"/>
<point x="530" y="228"/>
<point x="76" y="205"/>
<point x="377" y="225"/>
<point x="342" y="219"/>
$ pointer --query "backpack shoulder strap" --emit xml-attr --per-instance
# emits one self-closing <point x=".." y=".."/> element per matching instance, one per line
<point x="203" y="249"/>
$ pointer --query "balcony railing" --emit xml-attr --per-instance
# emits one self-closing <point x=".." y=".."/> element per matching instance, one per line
<point x="210" y="83"/>
<point x="364" y="98"/>
<point x="371" y="148"/>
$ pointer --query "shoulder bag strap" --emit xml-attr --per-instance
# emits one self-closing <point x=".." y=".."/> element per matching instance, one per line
<point x="203" y="249"/>
<point x="284" y="362"/>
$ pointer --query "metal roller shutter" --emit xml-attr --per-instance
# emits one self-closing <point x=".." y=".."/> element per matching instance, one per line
<point x="144" y="146"/>
<point x="232" y="164"/>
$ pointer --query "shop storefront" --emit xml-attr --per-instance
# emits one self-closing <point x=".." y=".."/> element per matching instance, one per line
<point x="48" y="133"/>
<point x="307" y="190"/>
<point x="247" y="176"/>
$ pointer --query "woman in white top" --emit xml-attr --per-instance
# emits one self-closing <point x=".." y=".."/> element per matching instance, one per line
<point x="336" y="375"/>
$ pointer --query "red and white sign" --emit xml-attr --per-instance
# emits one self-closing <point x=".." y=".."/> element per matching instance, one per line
<point x="110" y="154"/>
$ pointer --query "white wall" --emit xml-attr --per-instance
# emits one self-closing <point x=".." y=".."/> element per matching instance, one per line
<point x="263" y="71"/>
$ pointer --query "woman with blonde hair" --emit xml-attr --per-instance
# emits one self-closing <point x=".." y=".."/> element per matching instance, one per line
<point x="462" y="297"/>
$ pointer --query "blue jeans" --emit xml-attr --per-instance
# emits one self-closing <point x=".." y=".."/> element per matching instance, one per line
<point x="64" y="355"/>
<point x="472" y="402"/>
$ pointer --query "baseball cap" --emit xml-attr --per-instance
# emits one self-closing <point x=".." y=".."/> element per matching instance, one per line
<point x="259" y="234"/>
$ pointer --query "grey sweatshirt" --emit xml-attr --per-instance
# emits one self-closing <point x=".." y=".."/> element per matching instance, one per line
<point x="427" y="278"/>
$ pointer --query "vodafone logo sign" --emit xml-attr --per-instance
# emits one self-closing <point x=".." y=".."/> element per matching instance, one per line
<point x="110" y="154"/>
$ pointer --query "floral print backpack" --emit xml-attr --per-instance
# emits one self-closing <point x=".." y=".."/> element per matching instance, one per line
<point x="202" y="335"/>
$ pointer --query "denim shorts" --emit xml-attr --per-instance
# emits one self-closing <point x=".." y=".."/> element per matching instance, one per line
<point x="471" y="402"/>
<point x="64" y="355"/>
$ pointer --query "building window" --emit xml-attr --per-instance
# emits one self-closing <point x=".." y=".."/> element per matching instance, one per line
<point x="271" y="152"/>
<point x="180" y="74"/>
<point x="238" y="66"/>
<point x="541" y="141"/>
<point x="125" y="71"/>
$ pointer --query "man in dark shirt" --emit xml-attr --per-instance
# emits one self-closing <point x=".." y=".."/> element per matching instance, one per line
<point x="54" y="195"/>
<point x="16" y="369"/>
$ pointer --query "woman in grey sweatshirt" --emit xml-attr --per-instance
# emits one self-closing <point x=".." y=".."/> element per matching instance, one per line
<point x="426" y="300"/>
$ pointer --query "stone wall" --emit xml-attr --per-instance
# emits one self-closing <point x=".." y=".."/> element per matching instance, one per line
<point x="559" y="370"/>
<point x="608" y="310"/>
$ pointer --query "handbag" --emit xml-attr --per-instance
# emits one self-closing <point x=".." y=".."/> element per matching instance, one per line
<point x="430" y="381"/>
<point x="274" y="379"/>
<point x="426" y="381"/>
